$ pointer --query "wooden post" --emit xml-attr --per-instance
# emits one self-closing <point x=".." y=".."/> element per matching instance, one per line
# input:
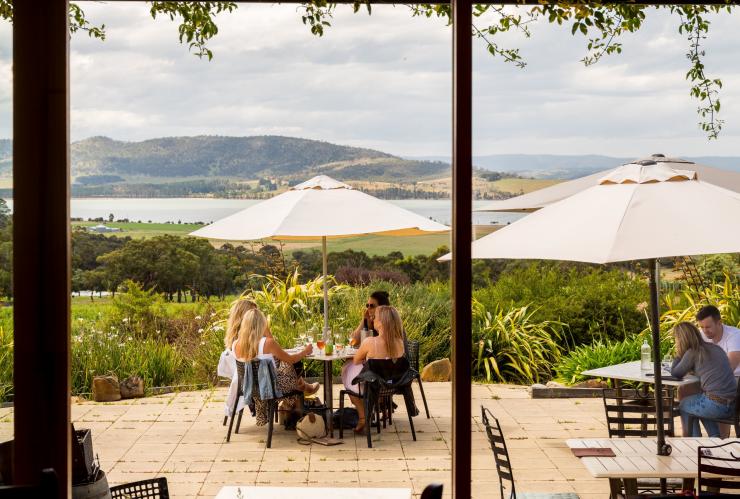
<point x="461" y="279"/>
<point x="41" y="241"/>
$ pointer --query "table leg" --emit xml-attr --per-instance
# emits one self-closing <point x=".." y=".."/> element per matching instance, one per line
<point x="329" y="397"/>
<point x="615" y="488"/>
<point x="617" y="384"/>
<point x="630" y="486"/>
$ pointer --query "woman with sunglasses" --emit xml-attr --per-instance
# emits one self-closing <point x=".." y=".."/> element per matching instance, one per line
<point x="375" y="300"/>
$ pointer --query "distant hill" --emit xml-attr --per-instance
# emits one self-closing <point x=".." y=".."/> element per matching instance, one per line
<point x="570" y="166"/>
<point x="247" y="158"/>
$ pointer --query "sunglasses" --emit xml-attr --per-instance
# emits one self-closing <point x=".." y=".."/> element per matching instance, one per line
<point x="370" y="305"/>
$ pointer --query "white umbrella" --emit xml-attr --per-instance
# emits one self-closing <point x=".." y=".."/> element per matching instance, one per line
<point x="320" y="208"/>
<point x="540" y="198"/>
<point x="638" y="211"/>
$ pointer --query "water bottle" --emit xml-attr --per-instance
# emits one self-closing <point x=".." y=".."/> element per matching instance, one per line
<point x="365" y="332"/>
<point x="645" y="357"/>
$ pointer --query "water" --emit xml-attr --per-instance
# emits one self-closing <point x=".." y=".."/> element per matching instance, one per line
<point x="191" y="210"/>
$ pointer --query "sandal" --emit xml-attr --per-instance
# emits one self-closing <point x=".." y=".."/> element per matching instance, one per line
<point x="311" y="388"/>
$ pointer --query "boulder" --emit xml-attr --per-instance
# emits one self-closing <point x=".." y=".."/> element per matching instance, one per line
<point x="106" y="389"/>
<point x="439" y="370"/>
<point x="132" y="387"/>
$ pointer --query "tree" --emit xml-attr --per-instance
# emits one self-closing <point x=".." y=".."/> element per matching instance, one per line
<point x="601" y="23"/>
<point x="4" y="214"/>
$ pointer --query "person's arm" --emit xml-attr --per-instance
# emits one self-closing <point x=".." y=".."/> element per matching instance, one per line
<point x="734" y="358"/>
<point x="272" y="347"/>
<point x="356" y="334"/>
<point x="682" y="366"/>
<point x="361" y="354"/>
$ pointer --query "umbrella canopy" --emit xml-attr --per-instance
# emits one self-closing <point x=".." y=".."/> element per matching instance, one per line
<point x="320" y="208"/>
<point x="533" y="201"/>
<point x="644" y="210"/>
<point x="637" y="212"/>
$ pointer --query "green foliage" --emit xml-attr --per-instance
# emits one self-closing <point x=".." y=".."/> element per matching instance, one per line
<point x="197" y="26"/>
<point x="590" y="301"/>
<point x="513" y="346"/>
<point x="6" y="362"/>
<point x="600" y="353"/>
<point x="715" y="268"/>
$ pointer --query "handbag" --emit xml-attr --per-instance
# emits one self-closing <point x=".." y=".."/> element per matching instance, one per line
<point x="312" y="429"/>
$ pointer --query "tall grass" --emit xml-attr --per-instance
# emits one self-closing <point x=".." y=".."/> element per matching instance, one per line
<point x="513" y="346"/>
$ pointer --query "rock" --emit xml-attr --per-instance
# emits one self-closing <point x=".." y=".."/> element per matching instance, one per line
<point x="439" y="370"/>
<point x="554" y="384"/>
<point x="106" y="389"/>
<point x="591" y="383"/>
<point x="132" y="387"/>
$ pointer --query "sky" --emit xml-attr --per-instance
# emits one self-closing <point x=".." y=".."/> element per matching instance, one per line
<point x="383" y="81"/>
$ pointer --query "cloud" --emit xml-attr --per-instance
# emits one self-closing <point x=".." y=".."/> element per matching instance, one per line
<point x="384" y="81"/>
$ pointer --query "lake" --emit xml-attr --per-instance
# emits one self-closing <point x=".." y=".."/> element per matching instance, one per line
<point x="190" y="210"/>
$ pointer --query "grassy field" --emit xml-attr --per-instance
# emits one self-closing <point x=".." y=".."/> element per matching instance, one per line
<point x="523" y="185"/>
<point x="140" y="230"/>
<point x="372" y="245"/>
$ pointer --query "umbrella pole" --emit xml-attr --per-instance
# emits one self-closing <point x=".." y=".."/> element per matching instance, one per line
<point x="326" y="288"/>
<point x="663" y="448"/>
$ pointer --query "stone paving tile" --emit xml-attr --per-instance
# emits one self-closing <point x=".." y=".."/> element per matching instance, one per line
<point x="181" y="436"/>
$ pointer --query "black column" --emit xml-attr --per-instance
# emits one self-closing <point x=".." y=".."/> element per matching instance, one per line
<point x="41" y="240"/>
<point x="462" y="207"/>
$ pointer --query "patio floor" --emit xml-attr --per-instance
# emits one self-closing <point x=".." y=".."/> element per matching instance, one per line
<point x="181" y="436"/>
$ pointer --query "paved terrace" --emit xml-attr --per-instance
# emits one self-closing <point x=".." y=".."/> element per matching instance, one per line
<point x="181" y="436"/>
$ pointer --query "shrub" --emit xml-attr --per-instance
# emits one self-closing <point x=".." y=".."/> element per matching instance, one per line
<point x="513" y="346"/>
<point x="590" y="301"/>
<point x="355" y="276"/>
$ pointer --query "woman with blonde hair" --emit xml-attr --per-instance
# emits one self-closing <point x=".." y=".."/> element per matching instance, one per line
<point x="718" y="385"/>
<point x="256" y="342"/>
<point x="226" y="363"/>
<point x="387" y="345"/>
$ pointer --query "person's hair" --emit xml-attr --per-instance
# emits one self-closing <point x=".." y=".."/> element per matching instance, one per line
<point x="381" y="297"/>
<point x="251" y="330"/>
<point x="708" y="311"/>
<point x="236" y="314"/>
<point x="688" y="338"/>
<point x="392" y="328"/>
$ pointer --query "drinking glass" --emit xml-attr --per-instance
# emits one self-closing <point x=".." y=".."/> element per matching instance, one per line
<point x="666" y="363"/>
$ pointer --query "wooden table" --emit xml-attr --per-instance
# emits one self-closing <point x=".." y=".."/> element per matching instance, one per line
<point x="636" y="458"/>
<point x="328" y="360"/>
<point x="248" y="492"/>
<point x="630" y="371"/>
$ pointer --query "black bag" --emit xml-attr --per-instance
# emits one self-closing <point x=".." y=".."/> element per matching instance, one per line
<point x="350" y="420"/>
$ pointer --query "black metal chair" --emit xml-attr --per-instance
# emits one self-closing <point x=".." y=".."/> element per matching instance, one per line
<point x="432" y="491"/>
<point x="632" y="413"/>
<point x="155" y="488"/>
<point x="272" y="404"/>
<point x="503" y="463"/>
<point x="412" y="350"/>
<point x="47" y="487"/>
<point x="734" y="421"/>
<point x="383" y="379"/>
<point x="721" y="466"/>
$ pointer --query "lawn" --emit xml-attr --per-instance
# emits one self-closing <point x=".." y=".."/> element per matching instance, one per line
<point x="140" y="230"/>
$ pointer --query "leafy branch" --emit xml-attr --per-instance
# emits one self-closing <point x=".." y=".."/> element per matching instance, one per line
<point x="197" y="25"/>
<point x="705" y="89"/>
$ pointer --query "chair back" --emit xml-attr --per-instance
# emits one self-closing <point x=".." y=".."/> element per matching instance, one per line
<point x="632" y="413"/>
<point x="155" y="488"/>
<point x="240" y="378"/>
<point x="722" y="464"/>
<point x="412" y="350"/>
<point x="393" y="371"/>
<point x="500" y="452"/>
<point x="255" y="366"/>
<point x="432" y="491"/>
